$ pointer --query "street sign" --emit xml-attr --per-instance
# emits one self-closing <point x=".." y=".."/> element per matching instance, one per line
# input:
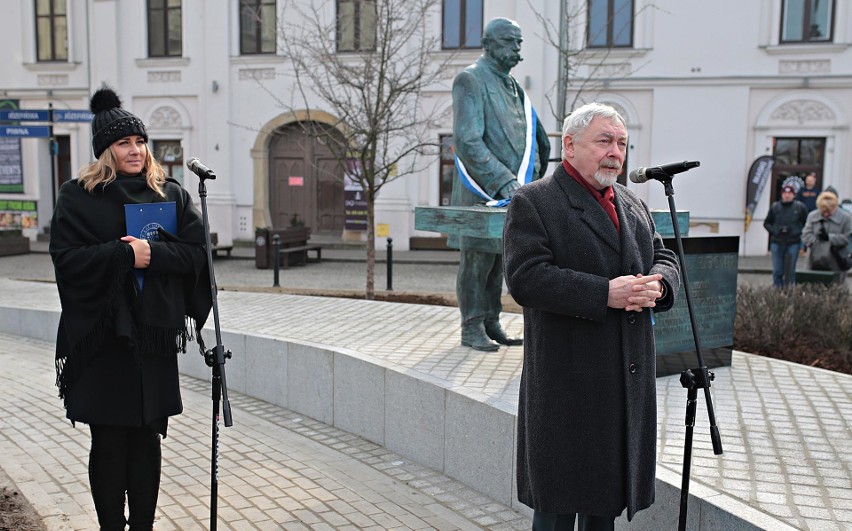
<point x="25" y="131"/>
<point x="71" y="115"/>
<point x="23" y="115"/>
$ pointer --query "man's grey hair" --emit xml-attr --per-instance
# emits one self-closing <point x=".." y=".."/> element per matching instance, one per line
<point x="578" y="121"/>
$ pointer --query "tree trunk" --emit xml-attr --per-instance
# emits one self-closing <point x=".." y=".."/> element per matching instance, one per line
<point x="371" y="246"/>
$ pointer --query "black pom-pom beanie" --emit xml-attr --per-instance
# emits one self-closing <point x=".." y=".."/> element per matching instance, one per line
<point x="111" y="122"/>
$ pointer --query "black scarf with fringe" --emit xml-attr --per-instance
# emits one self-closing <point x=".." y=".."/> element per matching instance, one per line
<point x="94" y="275"/>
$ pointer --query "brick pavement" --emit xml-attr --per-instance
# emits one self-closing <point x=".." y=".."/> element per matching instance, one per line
<point x="277" y="469"/>
<point x="785" y="427"/>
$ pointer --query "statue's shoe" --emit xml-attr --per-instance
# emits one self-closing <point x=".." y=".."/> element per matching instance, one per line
<point x="474" y="336"/>
<point x="496" y="333"/>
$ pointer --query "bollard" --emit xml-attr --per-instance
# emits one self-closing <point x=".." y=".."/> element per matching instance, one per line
<point x="276" y="259"/>
<point x="390" y="264"/>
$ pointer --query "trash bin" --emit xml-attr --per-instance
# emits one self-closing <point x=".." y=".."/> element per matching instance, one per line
<point x="262" y="248"/>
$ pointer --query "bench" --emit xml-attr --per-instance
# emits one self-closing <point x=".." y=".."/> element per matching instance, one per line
<point x="215" y="247"/>
<point x="299" y="254"/>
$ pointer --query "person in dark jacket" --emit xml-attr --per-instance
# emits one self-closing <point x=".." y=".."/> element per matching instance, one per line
<point x="583" y="258"/>
<point x="117" y="343"/>
<point x="784" y="222"/>
<point x="808" y="193"/>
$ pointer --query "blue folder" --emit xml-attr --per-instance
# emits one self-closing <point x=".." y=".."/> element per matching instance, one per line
<point x="144" y="220"/>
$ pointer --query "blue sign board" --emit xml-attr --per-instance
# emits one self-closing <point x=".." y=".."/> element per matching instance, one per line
<point x="25" y="131"/>
<point x="23" y="115"/>
<point x="71" y="115"/>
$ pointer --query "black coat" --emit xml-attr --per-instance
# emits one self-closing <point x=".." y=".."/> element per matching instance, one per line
<point x="587" y="407"/>
<point x="116" y="348"/>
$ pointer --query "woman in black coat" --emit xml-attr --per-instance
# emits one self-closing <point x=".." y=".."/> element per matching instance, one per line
<point x="118" y="338"/>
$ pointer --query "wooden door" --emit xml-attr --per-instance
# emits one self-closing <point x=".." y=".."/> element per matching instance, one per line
<point x="306" y="183"/>
<point x="330" y="199"/>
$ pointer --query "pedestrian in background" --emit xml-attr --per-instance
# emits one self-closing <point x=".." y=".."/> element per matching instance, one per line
<point x="808" y="193"/>
<point x="117" y="343"/>
<point x="784" y="223"/>
<point x="826" y="234"/>
<point x="582" y="256"/>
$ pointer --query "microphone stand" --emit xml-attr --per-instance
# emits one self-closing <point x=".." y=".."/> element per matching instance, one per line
<point x="214" y="358"/>
<point x="691" y="379"/>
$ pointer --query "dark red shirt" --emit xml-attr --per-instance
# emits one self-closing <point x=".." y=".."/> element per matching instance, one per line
<point x="605" y="197"/>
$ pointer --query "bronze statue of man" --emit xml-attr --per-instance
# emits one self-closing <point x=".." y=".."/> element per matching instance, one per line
<point x="499" y="145"/>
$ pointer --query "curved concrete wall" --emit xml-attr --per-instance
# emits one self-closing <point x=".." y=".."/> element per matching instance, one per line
<point x="450" y="429"/>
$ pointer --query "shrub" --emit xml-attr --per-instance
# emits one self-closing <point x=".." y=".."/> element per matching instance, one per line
<point x="810" y="324"/>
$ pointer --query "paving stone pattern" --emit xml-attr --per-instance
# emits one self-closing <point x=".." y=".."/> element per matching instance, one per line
<point x="277" y="469"/>
<point x="785" y="427"/>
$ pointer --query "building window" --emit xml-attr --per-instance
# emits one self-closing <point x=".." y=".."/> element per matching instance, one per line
<point x="169" y="154"/>
<point x="796" y="157"/>
<point x="164" y="28"/>
<point x="51" y="30"/>
<point x="807" y="21"/>
<point x="257" y="26"/>
<point x="448" y="170"/>
<point x="610" y="24"/>
<point x="462" y="24"/>
<point x="356" y="25"/>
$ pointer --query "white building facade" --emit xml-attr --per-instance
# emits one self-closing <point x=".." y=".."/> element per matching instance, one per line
<point x="719" y="82"/>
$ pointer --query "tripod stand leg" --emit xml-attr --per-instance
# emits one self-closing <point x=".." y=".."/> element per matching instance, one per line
<point x="691" y="404"/>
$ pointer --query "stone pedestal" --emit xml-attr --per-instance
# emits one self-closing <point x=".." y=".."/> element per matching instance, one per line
<point x="487" y="222"/>
<point x="711" y="264"/>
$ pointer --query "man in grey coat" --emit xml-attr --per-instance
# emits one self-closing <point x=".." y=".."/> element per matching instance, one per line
<point x="582" y="256"/>
<point x="496" y="138"/>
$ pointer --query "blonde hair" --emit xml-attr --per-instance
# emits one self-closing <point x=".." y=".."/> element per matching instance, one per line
<point x="826" y="202"/>
<point x="102" y="171"/>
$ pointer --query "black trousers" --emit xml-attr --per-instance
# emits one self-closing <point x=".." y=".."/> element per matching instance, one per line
<point x="565" y="522"/>
<point x="125" y="460"/>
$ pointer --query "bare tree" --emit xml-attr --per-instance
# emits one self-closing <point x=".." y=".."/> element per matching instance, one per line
<point x="581" y="68"/>
<point x="368" y="68"/>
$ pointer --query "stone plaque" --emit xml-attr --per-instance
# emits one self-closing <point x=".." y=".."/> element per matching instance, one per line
<point x="711" y="265"/>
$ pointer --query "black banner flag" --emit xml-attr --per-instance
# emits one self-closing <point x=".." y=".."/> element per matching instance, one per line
<point x="758" y="175"/>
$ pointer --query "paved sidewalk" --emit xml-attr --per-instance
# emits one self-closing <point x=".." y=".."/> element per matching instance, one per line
<point x="277" y="469"/>
<point x="785" y="427"/>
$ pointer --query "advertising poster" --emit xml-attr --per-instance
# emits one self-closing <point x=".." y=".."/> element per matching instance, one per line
<point x="17" y="215"/>
<point x="355" y="203"/>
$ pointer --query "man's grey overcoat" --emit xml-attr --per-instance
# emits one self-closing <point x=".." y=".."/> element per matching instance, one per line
<point x="587" y="410"/>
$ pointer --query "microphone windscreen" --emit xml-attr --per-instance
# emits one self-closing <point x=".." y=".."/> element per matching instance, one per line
<point x="638" y="176"/>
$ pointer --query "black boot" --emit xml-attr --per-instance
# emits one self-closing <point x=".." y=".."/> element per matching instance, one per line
<point x="495" y="332"/>
<point x="473" y="336"/>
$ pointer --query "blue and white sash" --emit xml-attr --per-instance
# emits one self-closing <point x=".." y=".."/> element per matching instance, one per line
<point x="525" y="172"/>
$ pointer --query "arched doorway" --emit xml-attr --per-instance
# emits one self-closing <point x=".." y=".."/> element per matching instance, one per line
<point x="305" y="181"/>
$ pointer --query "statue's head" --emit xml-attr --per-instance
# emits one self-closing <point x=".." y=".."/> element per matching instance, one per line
<point x="502" y="42"/>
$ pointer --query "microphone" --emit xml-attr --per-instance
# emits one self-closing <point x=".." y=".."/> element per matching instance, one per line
<point x="200" y="169"/>
<point x="641" y="175"/>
